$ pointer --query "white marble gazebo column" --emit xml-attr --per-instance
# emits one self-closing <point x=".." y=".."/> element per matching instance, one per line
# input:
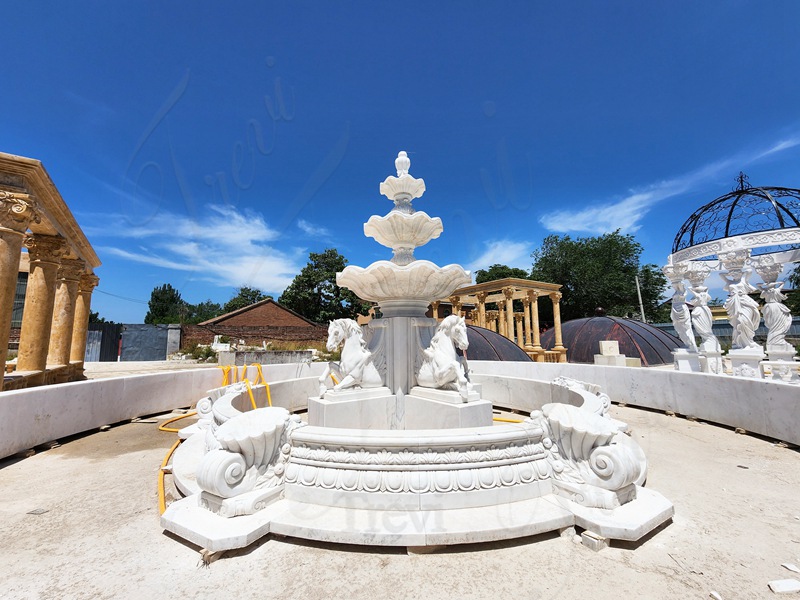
<point x="743" y="313"/>
<point x="686" y="359"/>
<point x="777" y="316"/>
<point x="702" y="320"/>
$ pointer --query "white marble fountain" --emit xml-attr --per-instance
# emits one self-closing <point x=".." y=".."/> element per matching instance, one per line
<point x="400" y="449"/>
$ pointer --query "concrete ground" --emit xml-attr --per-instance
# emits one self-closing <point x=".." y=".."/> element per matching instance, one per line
<point x="81" y="521"/>
<point x="102" y="370"/>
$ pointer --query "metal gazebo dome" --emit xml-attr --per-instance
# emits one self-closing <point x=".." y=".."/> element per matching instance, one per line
<point x="746" y="211"/>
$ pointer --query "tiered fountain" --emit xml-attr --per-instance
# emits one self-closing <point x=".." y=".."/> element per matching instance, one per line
<point x="400" y="449"/>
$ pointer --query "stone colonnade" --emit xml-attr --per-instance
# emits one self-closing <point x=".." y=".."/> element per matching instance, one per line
<point x="744" y="314"/>
<point x="60" y="284"/>
<point x="520" y="327"/>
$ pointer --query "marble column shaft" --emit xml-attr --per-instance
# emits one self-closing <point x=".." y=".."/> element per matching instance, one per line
<point x="508" y="292"/>
<point x="556" y="298"/>
<point x="45" y="255"/>
<point x="17" y="211"/>
<point x="481" y="296"/>
<point x="67" y="280"/>
<point x="83" y="306"/>
<point x="520" y="337"/>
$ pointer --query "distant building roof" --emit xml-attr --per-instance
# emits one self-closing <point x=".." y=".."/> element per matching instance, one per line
<point x="265" y="309"/>
<point x="636" y="339"/>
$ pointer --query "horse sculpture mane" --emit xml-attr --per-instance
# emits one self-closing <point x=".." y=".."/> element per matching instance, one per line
<point x="355" y="368"/>
<point x="441" y="367"/>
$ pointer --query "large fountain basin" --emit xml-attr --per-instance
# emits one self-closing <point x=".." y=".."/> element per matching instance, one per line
<point x="418" y="281"/>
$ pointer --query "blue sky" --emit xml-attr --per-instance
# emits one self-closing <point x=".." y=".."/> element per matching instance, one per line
<point x="213" y="145"/>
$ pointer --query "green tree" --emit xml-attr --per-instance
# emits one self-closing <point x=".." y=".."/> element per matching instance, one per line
<point x="197" y="313"/>
<point x="315" y="295"/>
<point x="793" y="299"/>
<point x="166" y="306"/>
<point x="496" y="272"/>
<point x="245" y="296"/>
<point x="94" y="317"/>
<point x="599" y="272"/>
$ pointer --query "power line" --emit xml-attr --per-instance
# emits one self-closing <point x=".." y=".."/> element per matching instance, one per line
<point x="121" y="297"/>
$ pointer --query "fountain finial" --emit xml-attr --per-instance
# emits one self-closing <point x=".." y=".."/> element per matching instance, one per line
<point x="402" y="163"/>
<point x="403" y="188"/>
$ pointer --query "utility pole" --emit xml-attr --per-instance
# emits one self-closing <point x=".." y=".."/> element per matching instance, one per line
<point x="639" y="293"/>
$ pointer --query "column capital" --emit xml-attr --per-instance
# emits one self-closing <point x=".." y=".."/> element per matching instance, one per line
<point x="481" y="296"/>
<point x="71" y="269"/>
<point x="555" y="297"/>
<point x="508" y="292"/>
<point x="531" y="295"/>
<point x="88" y="282"/>
<point x="45" y="248"/>
<point x="767" y="268"/>
<point x="18" y="211"/>
<point x="518" y="317"/>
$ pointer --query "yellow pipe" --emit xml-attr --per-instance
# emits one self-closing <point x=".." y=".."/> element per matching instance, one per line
<point x="250" y="391"/>
<point x="502" y="420"/>
<point x="269" y="395"/>
<point x="226" y="370"/>
<point x="162" y="502"/>
<point x="260" y="377"/>
<point x="334" y="380"/>
<point x="163" y="426"/>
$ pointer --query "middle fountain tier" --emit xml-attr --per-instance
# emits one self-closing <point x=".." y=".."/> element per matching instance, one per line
<point x="401" y="370"/>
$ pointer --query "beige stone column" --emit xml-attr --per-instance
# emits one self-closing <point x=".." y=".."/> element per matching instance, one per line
<point x="491" y="322"/>
<point x="455" y="302"/>
<point x="17" y="211"/>
<point x="556" y="298"/>
<point x="83" y="307"/>
<point x="481" y="296"/>
<point x="67" y="278"/>
<point x="508" y="292"/>
<point x="520" y="336"/>
<point x="502" y="322"/>
<point x="526" y="312"/>
<point x="45" y="253"/>
<point x="435" y="309"/>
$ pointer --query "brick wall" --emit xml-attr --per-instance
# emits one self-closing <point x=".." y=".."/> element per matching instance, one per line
<point x="252" y="334"/>
<point x="269" y="314"/>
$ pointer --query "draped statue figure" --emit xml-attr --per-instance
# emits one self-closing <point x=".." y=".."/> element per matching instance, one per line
<point x="742" y="310"/>
<point x="777" y="316"/>
<point x="681" y="317"/>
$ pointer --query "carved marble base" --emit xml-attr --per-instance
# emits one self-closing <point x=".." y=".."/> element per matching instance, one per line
<point x="429" y="413"/>
<point x="783" y="355"/>
<point x="787" y="371"/>
<point x="686" y="361"/>
<point x="375" y="408"/>
<point x="745" y="362"/>
<point x="711" y="362"/>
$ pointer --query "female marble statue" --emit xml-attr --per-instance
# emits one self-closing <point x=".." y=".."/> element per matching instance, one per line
<point x="777" y="317"/>
<point x="681" y="318"/>
<point x="742" y="310"/>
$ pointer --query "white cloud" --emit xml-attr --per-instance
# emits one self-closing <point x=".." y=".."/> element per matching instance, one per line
<point x="503" y="252"/>
<point x="627" y="213"/>
<point x="313" y="230"/>
<point x="224" y="246"/>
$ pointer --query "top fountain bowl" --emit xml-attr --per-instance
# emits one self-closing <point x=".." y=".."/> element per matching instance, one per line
<point x="399" y="230"/>
<point x="420" y="280"/>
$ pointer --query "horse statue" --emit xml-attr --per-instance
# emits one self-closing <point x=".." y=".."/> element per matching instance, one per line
<point x="355" y="368"/>
<point x="441" y="367"/>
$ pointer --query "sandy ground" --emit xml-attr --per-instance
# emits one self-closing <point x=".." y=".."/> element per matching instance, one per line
<point x="737" y="519"/>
